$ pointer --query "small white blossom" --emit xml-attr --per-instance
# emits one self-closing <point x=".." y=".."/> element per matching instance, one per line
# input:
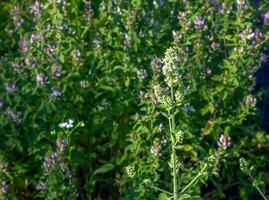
<point x="68" y="124"/>
<point x="62" y="125"/>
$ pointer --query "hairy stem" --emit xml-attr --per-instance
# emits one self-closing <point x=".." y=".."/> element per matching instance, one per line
<point x="161" y="190"/>
<point x="259" y="190"/>
<point x="195" y="178"/>
<point x="261" y="193"/>
<point x="172" y="131"/>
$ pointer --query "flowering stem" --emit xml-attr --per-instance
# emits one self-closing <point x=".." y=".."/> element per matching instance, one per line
<point x="174" y="160"/>
<point x="195" y="178"/>
<point x="259" y="190"/>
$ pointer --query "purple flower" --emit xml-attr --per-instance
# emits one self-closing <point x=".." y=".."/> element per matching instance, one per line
<point x="258" y="34"/>
<point x="1" y="103"/>
<point x="3" y="166"/>
<point x="187" y="108"/>
<point x="15" y="10"/>
<point x="35" y="8"/>
<point x="54" y="155"/>
<point x="208" y="71"/>
<point x="36" y="37"/>
<point x="155" y="149"/>
<point x="55" y="93"/>
<point x="17" y="23"/>
<point x="40" y="78"/>
<point x="142" y="74"/>
<point x="27" y="61"/>
<point x="161" y="127"/>
<point x="198" y="22"/>
<point x="14" y="116"/>
<point x="156" y="63"/>
<point x="222" y="8"/>
<point x="9" y="111"/>
<point x="250" y="100"/>
<point x="266" y="17"/>
<point x="57" y="71"/>
<point x="127" y="40"/>
<point x="11" y="87"/>
<point x="15" y="66"/>
<point x="24" y="45"/>
<point x="181" y="15"/>
<point x="50" y="48"/>
<point x="4" y="186"/>
<point x="176" y="35"/>
<point x="141" y="95"/>
<point x="224" y="141"/>
<point x="264" y="58"/>
<point x="41" y="186"/>
<point x="62" y="166"/>
<point x="61" y="144"/>
<point x="213" y="45"/>
<point x="50" y="161"/>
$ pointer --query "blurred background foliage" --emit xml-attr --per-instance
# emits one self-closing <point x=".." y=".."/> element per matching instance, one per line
<point x="97" y="62"/>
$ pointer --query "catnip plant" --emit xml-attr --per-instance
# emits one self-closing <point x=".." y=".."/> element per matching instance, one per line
<point x="58" y="179"/>
<point x="170" y="98"/>
<point x="256" y="180"/>
<point x="218" y="47"/>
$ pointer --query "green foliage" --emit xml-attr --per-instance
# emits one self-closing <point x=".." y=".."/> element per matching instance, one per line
<point x="98" y="62"/>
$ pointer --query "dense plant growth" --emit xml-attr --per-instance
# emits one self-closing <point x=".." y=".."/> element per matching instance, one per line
<point x="116" y="99"/>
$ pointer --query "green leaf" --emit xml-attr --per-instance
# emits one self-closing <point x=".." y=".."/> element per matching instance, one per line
<point x="184" y="197"/>
<point x="107" y="88"/>
<point x="187" y="147"/>
<point x="61" y="58"/>
<point x="104" y="169"/>
<point x="217" y="78"/>
<point x="163" y="196"/>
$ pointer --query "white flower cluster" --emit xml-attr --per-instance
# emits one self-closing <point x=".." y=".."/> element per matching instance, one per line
<point x="161" y="97"/>
<point x="172" y="77"/>
<point x="179" y="97"/>
<point x="170" y="68"/>
<point x="130" y="171"/>
<point x="68" y="124"/>
<point x="179" y="136"/>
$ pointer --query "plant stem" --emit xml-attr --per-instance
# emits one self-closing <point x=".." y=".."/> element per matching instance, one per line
<point x="195" y="178"/>
<point x="174" y="172"/>
<point x="159" y="189"/>
<point x="257" y="187"/>
<point x="261" y="193"/>
<point x="172" y="131"/>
